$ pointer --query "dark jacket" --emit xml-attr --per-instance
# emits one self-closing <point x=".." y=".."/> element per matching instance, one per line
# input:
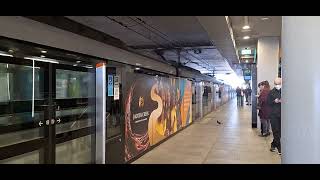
<point x="275" y="107"/>
<point x="239" y="91"/>
<point x="265" y="109"/>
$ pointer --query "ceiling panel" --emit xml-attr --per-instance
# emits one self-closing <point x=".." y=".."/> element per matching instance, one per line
<point x="146" y="34"/>
<point x="258" y="28"/>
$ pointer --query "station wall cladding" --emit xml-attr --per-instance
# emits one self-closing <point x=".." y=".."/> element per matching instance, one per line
<point x="155" y="108"/>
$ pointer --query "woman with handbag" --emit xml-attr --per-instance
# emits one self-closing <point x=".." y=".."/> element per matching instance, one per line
<point x="264" y="110"/>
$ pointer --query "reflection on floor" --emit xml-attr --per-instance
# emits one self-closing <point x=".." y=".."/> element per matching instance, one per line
<point x="207" y="142"/>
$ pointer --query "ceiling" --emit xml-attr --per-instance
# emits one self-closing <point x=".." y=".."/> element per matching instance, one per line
<point x="260" y="26"/>
<point x="166" y="38"/>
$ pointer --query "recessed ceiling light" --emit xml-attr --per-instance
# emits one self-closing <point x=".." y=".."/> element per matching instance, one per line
<point x="264" y="18"/>
<point x="75" y="65"/>
<point x="246" y="27"/>
<point x="43" y="51"/>
<point x="138" y="64"/>
<point x="137" y="68"/>
<point x="78" y="61"/>
<point x="246" y="37"/>
<point x="42" y="56"/>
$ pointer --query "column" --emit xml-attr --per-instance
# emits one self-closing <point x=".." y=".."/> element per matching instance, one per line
<point x="267" y="62"/>
<point x="301" y="89"/>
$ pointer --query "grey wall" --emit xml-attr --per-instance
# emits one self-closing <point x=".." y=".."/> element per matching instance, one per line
<point x="301" y="90"/>
<point x="21" y="28"/>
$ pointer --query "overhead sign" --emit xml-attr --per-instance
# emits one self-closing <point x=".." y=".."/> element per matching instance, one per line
<point x="110" y="85"/>
<point x="247" y="74"/>
<point x="246" y="51"/>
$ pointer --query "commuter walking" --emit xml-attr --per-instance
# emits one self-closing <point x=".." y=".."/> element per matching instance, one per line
<point x="248" y="95"/>
<point x="274" y="100"/>
<point x="264" y="108"/>
<point x="239" y="96"/>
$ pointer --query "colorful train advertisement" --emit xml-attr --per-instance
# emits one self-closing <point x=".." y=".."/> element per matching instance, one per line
<point x="155" y="108"/>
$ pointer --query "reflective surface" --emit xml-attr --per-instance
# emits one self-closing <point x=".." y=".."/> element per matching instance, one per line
<point x="72" y="84"/>
<point x="22" y="93"/>
<point x="20" y="136"/>
<point x="27" y="158"/>
<point x="114" y="107"/>
<point x="73" y="114"/>
<point x="77" y="151"/>
<point x="16" y="93"/>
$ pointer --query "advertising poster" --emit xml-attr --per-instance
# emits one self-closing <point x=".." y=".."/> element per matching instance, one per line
<point x="155" y="107"/>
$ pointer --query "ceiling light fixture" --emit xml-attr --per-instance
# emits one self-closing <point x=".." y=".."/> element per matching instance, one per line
<point x="246" y="27"/>
<point x="42" y="59"/>
<point x="246" y="23"/>
<point x="246" y="37"/>
<point x="264" y="18"/>
<point x="78" y="61"/>
<point x="42" y="56"/>
<point x="5" y="54"/>
<point x="43" y="51"/>
<point x="10" y="51"/>
<point x="137" y="68"/>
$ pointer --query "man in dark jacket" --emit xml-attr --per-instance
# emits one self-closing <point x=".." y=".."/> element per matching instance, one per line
<point x="274" y="100"/>
<point x="239" y="96"/>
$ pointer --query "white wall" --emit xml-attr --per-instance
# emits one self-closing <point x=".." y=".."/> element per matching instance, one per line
<point x="267" y="61"/>
<point x="300" y="139"/>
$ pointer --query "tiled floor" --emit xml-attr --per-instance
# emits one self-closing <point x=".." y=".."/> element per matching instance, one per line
<point x="206" y="142"/>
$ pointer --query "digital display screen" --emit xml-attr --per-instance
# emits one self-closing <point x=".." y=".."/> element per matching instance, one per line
<point x="247" y="77"/>
<point x="245" y="51"/>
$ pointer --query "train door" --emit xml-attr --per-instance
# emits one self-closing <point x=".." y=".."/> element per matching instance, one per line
<point x="46" y="111"/>
<point x="114" y="117"/>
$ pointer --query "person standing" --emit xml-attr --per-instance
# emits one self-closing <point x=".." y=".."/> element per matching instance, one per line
<point x="264" y="110"/>
<point x="248" y="95"/>
<point x="238" y="91"/>
<point x="258" y="104"/>
<point x="274" y="100"/>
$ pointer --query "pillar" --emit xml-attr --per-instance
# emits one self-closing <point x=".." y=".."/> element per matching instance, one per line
<point x="301" y="89"/>
<point x="267" y="62"/>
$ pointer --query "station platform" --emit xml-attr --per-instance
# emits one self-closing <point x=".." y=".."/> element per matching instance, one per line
<point x="208" y="142"/>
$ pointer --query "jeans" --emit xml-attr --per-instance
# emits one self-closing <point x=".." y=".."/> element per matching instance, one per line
<point x="249" y="99"/>
<point x="276" y="131"/>
<point x="240" y="100"/>
<point x="265" y="126"/>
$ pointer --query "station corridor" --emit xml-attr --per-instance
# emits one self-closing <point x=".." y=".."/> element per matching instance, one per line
<point x="207" y="142"/>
